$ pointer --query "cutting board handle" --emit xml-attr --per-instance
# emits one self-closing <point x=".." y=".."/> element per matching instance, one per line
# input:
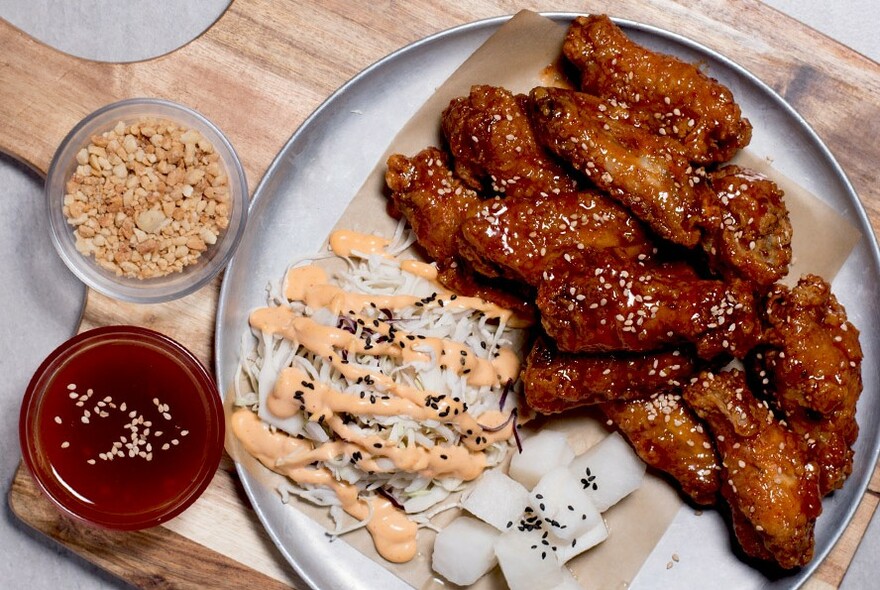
<point x="239" y="86"/>
<point x="43" y="93"/>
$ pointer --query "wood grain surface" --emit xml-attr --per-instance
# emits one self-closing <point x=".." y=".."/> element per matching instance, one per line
<point x="258" y="72"/>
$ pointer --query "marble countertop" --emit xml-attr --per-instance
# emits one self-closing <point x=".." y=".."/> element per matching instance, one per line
<point x="112" y="31"/>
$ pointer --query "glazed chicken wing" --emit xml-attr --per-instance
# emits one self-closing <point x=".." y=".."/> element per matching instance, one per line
<point x="767" y="479"/>
<point x="746" y="228"/>
<point x="520" y="237"/>
<point x="610" y="303"/>
<point x="435" y="203"/>
<point x="683" y="102"/>
<point x="551" y="377"/>
<point x="494" y="149"/>
<point x="517" y="297"/>
<point x="647" y="173"/>
<point x="811" y="371"/>
<point x="667" y="435"/>
<point x="433" y="200"/>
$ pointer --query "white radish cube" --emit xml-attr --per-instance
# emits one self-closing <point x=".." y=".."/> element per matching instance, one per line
<point x="464" y="550"/>
<point x="568" y="550"/>
<point x="528" y="561"/>
<point x="568" y="582"/>
<point x="609" y="471"/>
<point x="540" y="453"/>
<point x="496" y="499"/>
<point x="560" y="500"/>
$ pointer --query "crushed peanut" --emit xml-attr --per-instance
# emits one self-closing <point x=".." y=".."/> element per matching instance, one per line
<point x="147" y="198"/>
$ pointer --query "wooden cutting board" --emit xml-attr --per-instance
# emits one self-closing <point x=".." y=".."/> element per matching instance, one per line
<point x="258" y="72"/>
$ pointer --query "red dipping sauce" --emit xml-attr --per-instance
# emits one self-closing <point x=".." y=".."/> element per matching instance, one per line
<point x="122" y="427"/>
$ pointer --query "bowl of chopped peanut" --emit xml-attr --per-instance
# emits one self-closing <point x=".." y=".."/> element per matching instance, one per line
<point x="147" y="200"/>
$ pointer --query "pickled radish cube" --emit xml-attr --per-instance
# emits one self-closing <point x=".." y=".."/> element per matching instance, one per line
<point x="568" y="582"/>
<point x="568" y="550"/>
<point x="540" y="453"/>
<point x="496" y="499"/>
<point x="528" y="560"/>
<point x="464" y="550"/>
<point x="559" y="499"/>
<point x="609" y="471"/>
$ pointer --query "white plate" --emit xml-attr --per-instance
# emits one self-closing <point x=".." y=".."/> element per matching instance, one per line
<point x="327" y="160"/>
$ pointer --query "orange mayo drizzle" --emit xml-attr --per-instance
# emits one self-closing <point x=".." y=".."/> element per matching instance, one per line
<point x="295" y="390"/>
<point x="344" y="242"/>
<point x="325" y="340"/>
<point x="393" y="534"/>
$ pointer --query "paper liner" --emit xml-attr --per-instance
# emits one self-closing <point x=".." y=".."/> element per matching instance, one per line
<point x="528" y="46"/>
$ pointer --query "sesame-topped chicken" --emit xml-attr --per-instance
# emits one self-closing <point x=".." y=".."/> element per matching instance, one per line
<point x="647" y="173"/>
<point x="810" y="371"/>
<point x="554" y="381"/>
<point x="767" y="478"/>
<point x="435" y="203"/>
<point x="745" y="226"/>
<point x="606" y="302"/>
<point x="493" y="147"/>
<point x="667" y="435"/>
<point x="433" y="200"/>
<point x="608" y="215"/>
<point x="681" y="101"/>
<point x="520" y="237"/>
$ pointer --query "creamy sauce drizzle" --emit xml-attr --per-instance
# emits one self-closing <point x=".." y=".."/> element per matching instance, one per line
<point x="393" y="534"/>
<point x="295" y="391"/>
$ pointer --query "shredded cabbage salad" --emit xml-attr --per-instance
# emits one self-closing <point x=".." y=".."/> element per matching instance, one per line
<point x="264" y="356"/>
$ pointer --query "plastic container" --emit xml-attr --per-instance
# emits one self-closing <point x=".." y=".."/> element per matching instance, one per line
<point x="175" y="284"/>
<point x="122" y="427"/>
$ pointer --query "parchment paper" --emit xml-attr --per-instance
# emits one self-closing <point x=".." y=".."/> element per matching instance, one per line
<point x="520" y="56"/>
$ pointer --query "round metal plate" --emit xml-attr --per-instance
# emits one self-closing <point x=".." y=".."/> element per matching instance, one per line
<point x="306" y="189"/>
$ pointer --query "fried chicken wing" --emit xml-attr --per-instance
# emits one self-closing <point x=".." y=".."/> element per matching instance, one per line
<point x="435" y="203"/>
<point x="611" y="303"/>
<point x="433" y="200"/>
<point x="811" y="371"/>
<point x="684" y="103"/>
<point x="519" y="238"/>
<point x="746" y="228"/>
<point x="517" y="297"/>
<point x="771" y="486"/>
<point x="647" y="173"/>
<point x="580" y="379"/>
<point x="667" y="435"/>
<point x="494" y="149"/>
